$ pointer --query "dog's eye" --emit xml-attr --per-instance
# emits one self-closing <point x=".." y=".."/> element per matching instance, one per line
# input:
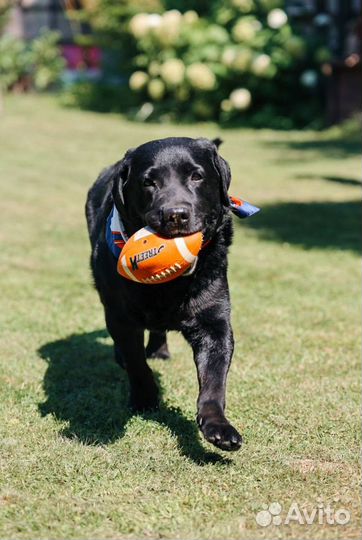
<point x="196" y="176"/>
<point x="148" y="182"/>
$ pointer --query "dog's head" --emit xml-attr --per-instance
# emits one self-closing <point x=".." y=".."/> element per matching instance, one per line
<point x="177" y="186"/>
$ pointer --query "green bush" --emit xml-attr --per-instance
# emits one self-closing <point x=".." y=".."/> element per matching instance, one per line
<point x="46" y="61"/>
<point x="240" y="61"/>
<point x="39" y="63"/>
<point x="14" y="61"/>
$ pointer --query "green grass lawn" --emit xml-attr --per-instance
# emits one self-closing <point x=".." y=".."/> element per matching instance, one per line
<point x="74" y="463"/>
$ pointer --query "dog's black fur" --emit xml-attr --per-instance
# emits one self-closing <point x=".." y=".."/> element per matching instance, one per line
<point x="178" y="186"/>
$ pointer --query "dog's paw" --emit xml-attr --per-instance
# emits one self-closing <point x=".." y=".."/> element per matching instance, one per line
<point x="162" y="353"/>
<point x="221" y="434"/>
<point x="157" y="346"/>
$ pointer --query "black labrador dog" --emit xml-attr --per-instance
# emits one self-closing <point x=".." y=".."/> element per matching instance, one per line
<point x="177" y="186"/>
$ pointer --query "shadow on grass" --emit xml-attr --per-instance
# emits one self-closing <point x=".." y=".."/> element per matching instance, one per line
<point x="336" y="179"/>
<point x="85" y="387"/>
<point x="345" y="145"/>
<point x="328" y="147"/>
<point x="329" y="225"/>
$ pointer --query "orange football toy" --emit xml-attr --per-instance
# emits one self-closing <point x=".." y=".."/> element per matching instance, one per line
<point x="152" y="259"/>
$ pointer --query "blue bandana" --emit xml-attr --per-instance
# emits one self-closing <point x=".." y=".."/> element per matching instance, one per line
<point x="116" y="235"/>
<point x="242" y="209"/>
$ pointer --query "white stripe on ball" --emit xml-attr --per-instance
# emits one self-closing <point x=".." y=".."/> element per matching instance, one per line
<point x="184" y="250"/>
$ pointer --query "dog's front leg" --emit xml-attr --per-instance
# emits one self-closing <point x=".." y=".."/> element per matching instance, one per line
<point x="128" y="341"/>
<point x="213" y="348"/>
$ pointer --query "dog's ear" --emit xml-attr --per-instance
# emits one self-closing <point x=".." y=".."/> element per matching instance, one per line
<point x="223" y="169"/>
<point x="217" y="141"/>
<point x="120" y="173"/>
<point x="221" y="166"/>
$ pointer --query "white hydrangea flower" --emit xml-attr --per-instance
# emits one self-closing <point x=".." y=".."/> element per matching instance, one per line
<point x="169" y="29"/>
<point x="139" y="25"/>
<point x="154" y="68"/>
<point x="190" y="16"/>
<point x="240" y="99"/>
<point x="156" y="89"/>
<point x="277" y="18"/>
<point x="154" y="20"/>
<point x="226" y="105"/>
<point x="172" y="17"/>
<point x="138" y="80"/>
<point x="260" y="64"/>
<point x="237" y="58"/>
<point x="245" y="29"/>
<point x="242" y="59"/>
<point x="173" y="71"/>
<point x="309" y="78"/>
<point x="244" y="5"/>
<point x="200" y="76"/>
<point x="228" y="56"/>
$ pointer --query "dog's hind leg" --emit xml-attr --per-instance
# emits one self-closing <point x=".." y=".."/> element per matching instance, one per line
<point x="130" y="353"/>
<point x="157" y="346"/>
<point x="118" y="356"/>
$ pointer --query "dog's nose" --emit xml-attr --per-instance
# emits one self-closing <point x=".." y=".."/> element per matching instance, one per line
<point x="176" y="216"/>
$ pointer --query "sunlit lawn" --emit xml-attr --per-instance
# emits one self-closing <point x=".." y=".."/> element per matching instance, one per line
<point x="73" y="462"/>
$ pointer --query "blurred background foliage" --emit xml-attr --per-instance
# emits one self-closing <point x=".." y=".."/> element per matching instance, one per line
<point x="223" y="60"/>
<point x="24" y="65"/>
<point x="237" y="62"/>
<point x="37" y="64"/>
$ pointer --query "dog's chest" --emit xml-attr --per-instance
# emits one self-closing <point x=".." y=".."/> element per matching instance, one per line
<point x="160" y="307"/>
